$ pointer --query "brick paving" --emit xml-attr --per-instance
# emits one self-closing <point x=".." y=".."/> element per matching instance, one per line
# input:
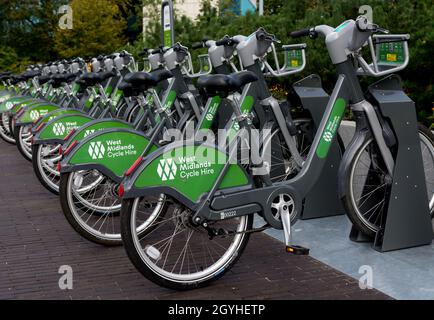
<point x="35" y="240"/>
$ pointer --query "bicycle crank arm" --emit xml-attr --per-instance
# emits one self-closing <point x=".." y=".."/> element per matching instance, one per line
<point x="294" y="249"/>
<point x="261" y="201"/>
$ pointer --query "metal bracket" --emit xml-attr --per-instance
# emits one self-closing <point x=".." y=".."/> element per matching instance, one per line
<point x="407" y="222"/>
<point x="322" y="200"/>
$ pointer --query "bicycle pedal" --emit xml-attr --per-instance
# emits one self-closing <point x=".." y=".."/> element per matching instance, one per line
<point x="298" y="250"/>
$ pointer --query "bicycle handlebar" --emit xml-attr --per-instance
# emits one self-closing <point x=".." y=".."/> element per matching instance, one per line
<point x="197" y="45"/>
<point x="156" y="51"/>
<point x="301" y="33"/>
<point x="144" y="52"/>
<point x="226" y="41"/>
<point x="362" y="24"/>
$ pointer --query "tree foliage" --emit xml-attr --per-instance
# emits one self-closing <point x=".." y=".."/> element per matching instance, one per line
<point x="97" y="29"/>
<point x="415" y="17"/>
<point x="26" y="30"/>
<point x="29" y="31"/>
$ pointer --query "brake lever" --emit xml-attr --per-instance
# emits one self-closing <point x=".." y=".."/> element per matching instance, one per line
<point x="381" y="30"/>
<point x="275" y="40"/>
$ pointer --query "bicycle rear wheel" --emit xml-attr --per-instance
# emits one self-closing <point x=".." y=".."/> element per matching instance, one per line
<point x="5" y="132"/>
<point x="45" y="160"/>
<point x="176" y="254"/>
<point x="23" y="138"/>
<point x="91" y="204"/>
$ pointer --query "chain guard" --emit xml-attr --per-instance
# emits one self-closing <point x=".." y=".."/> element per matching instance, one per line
<point x="297" y="203"/>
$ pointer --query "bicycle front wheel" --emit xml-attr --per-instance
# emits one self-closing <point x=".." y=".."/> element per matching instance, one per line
<point x="367" y="183"/>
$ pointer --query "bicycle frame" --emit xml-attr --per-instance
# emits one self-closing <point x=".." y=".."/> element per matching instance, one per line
<point x="317" y="156"/>
<point x="249" y="198"/>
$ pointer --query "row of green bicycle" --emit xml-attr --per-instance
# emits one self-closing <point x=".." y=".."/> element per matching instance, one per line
<point x="175" y="164"/>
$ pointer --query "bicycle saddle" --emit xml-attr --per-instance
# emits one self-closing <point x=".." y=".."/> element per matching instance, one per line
<point x="16" y="79"/>
<point x="223" y="85"/>
<point x="44" y="79"/>
<point x="103" y="76"/>
<point x="5" y="77"/>
<point x="144" y="80"/>
<point x="128" y="90"/>
<point x="30" y="74"/>
<point x="91" y="79"/>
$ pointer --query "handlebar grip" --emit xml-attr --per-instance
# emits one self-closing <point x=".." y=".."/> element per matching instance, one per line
<point x="300" y="33"/>
<point x="197" y="45"/>
<point x="226" y="42"/>
<point x="143" y="53"/>
<point x="155" y="51"/>
<point x="222" y="42"/>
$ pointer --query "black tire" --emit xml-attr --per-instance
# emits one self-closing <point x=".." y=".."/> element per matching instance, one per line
<point x="19" y="143"/>
<point x="349" y="202"/>
<point x="12" y="125"/>
<point x="141" y="266"/>
<point x="36" y="162"/>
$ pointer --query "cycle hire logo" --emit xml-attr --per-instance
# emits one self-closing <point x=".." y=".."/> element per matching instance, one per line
<point x="236" y="126"/>
<point x="328" y="136"/>
<point x="3" y="99"/>
<point x="167" y="169"/>
<point x="59" y="129"/>
<point x="96" y="150"/>
<point x="88" y="132"/>
<point x="209" y="117"/>
<point x="34" y="114"/>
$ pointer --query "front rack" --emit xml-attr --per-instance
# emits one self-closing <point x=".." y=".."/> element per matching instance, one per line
<point x="389" y="54"/>
<point x="147" y="67"/>
<point x="294" y="61"/>
<point x="205" y="66"/>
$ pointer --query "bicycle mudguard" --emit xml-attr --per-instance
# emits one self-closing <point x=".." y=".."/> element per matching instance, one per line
<point x="55" y="114"/>
<point x="33" y="113"/>
<point x="111" y="152"/>
<point x="27" y="103"/>
<point x="54" y="127"/>
<point x="94" y="126"/>
<point x="4" y="96"/>
<point x="9" y="104"/>
<point x="185" y="171"/>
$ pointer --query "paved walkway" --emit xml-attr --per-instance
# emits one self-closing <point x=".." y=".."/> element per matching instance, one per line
<point x="35" y="240"/>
